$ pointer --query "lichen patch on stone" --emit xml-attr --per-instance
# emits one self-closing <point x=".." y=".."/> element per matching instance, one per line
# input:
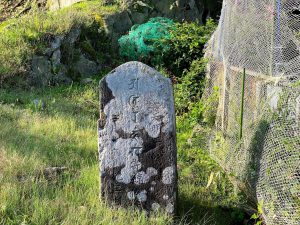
<point x="168" y="175"/>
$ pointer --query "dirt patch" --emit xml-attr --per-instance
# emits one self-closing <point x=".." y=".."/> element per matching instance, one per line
<point x="16" y="8"/>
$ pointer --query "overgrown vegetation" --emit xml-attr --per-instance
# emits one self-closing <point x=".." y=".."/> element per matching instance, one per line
<point x="164" y="43"/>
<point x="61" y="134"/>
<point x="14" y="9"/>
<point x="21" y="38"/>
<point x="185" y="45"/>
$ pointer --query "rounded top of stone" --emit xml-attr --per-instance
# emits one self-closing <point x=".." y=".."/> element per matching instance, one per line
<point x="137" y="67"/>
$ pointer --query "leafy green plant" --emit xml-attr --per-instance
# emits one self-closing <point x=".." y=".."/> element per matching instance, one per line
<point x="189" y="88"/>
<point x="258" y="216"/>
<point x="185" y="45"/>
<point x="188" y="94"/>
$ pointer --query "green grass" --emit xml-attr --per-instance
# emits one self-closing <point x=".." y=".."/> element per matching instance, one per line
<point x="64" y="133"/>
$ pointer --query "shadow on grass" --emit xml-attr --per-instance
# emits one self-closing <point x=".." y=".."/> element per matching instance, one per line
<point x="256" y="149"/>
<point x="192" y="211"/>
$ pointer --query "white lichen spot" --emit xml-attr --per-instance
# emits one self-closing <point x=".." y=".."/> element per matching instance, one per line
<point x="151" y="171"/>
<point x="165" y="197"/>
<point x="141" y="178"/>
<point x="132" y="166"/>
<point x="155" y="206"/>
<point x="168" y="175"/>
<point x="142" y="196"/>
<point x="170" y="208"/>
<point x="131" y="195"/>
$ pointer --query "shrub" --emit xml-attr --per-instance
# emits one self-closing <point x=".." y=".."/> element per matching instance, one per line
<point x="190" y="86"/>
<point x="185" y="45"/>
<point x="188" y="95"/>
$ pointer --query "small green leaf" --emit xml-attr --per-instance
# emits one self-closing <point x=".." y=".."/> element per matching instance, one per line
<point x="254" y="216"/>
<point x="260" y="207"/>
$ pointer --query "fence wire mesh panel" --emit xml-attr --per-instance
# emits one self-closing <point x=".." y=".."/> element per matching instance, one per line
<point x="262" y="36"/>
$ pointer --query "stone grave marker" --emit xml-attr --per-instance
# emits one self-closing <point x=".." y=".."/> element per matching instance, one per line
<point x="137" y="139"/>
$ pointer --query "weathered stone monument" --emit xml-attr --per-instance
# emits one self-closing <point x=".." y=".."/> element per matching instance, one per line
<point x="137" y="139"/>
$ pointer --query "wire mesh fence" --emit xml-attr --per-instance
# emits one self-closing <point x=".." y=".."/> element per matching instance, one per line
<point x="261" y="36"/>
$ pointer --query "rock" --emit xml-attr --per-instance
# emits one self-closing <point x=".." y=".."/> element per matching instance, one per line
<point x="41" y="74"/>
<point x="137" y="144"/>
<point x="72" y="36"/>
<point x="86" y="81"/>
<point x="189" y="11"/>
<point x="55" y="59"/>
<point x="179" y="10"/>
<point x="164" y="7"/>
<point x="51" y="173"/>
<point x="126" y="3"/>
<point x="85" y="67"/>
<point x="61" y="77"/>
<point x="139" y="18"/>
<point x="121" y="22"/>
<point x="109" y="2"/>
<point x="117" y="25"/>
<point x="54" y="45"/>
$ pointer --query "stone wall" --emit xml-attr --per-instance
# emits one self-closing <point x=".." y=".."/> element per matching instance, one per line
<point x="77" y="56"/>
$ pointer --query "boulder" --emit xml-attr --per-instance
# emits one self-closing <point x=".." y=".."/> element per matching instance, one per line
<point x="85" y="68"/>
<point x="55" y="59"/>
<point x="61" y="77"/>
<point x="41" y="71"/>
<point x="139" y="17"/>
<point x="122" y="22"/>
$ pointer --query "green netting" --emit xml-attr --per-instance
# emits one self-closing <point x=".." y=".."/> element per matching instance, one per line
<point x="144" y="39"/>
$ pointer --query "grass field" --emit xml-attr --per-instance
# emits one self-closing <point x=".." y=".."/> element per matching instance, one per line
<point x="56" y="127"/>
